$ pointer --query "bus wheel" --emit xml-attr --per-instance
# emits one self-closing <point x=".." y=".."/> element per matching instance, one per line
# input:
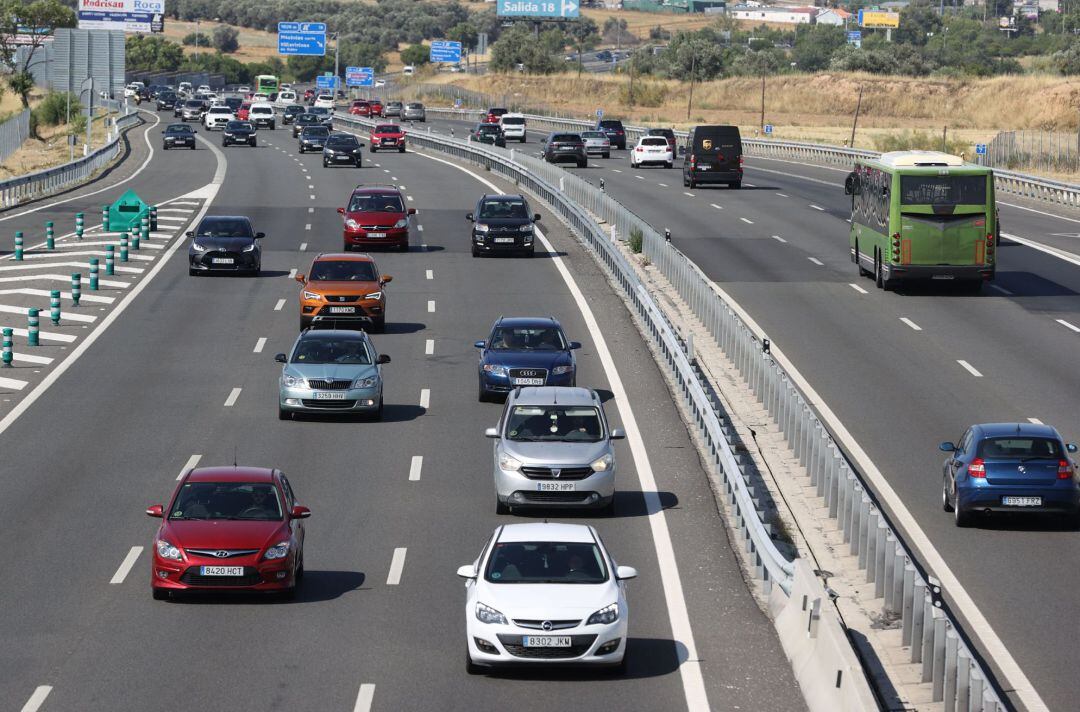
<point x="879" y="273"/>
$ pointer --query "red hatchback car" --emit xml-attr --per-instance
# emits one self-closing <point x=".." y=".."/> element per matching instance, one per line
<point x="360" y="108"/>
<point x="387" y="136"/>
<point x="229" y="528"/>
<point x="494" y="114"/>
<point x="375" y="107"/>
<point x="376" y="216"/>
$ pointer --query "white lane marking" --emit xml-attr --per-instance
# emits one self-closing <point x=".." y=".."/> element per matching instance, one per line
<point x="54" y="265"/>
<point x="292" y="273"/>
<point x="313" y="196"/>
<point x="259" y="345"/>
<point x="718" y="207"/>
<point x="817" y="207"/>
<point x="126" y="564"/>
<point x="29" y="358"/>
<point x="689" y="194"/>
<point x="307" y="226"/>
<point x="1035" y="421"/>
<point x="178" y="210"/>
<point x="191" y="463"/>
<point x="778" y="238"/>
<point x="393" y="178"/>
<point x="429" y="347"/>
<point x="615" y="170"/>
<point x="66" y="295"/>
<point x="431" y="305"/>
<point x="409" y="198"/>
<point x="364" y="698"/>
<point x="37" y="699"/>
<point x="910" y="323"/>
<point x="662" y="185"/>
<point x="816" y="261"/>
<point x="279" y="305"/>
<point x="233" y="395"/>
<point x="969" y="368"/>
<point x="415" y="466"/>
<point x="46" y="336"/>
<point x="1040" y="212"/>
<point x="748" y="222"/>
<point x="303" y="246"/>
<point x="425" y="398"/>
<point x="385" y="170"/>
<point x="420" y="228"/>
<point x="65" y="315"/>
<point x="1004" y="291"/>
<point x="397" y="564"/>
<point x="311" y="210"/>
<point x="783" y="196"/>
<point x="639" y="177"/>
<point x="429" y="274"/>
<point x="1067" y="325"/>
<point x="1052" y="251"/>
<point x="13" y="384"/>
<point x="689" y="664"/>
<point x="857" y="288"/>
<point x="311" y="187"/>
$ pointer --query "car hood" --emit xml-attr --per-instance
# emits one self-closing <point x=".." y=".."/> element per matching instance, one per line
<point x="555" y="453"/>
<point x="224" y="534"/>
<point x="527" y="359"/>
<point x="380" y="219"/>
<point x="342" y="288"/>
<point x="239" y="132"/>
<point x="332" y="371"/>
<point x="546" y="601"/>
<point x="234" y="244"/>
<point x="342" y="149"/>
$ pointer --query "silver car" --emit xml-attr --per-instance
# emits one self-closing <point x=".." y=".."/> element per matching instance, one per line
<point x="414" y="111"/>
<point x="596" y="142"/>
<point x="553" y="448"/>
<point x="331" y="371"/>
<point x="392" y="108"/>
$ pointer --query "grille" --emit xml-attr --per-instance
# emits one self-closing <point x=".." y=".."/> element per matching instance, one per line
<point x="528" y="373"/>
<point x="538" y="624"/>
<point x="229" y="553"/>
<point x="325" y="385"/>
<point x="563" y="497"/>
<point x="579" y="645"/>
<point x="210" y="255"/>
<point x="192" y="578"/>
<point x="342" y="298"/>
<point x="378" y="228"/>
<point x="328" y="404"/>
<point x="565" y="473"/>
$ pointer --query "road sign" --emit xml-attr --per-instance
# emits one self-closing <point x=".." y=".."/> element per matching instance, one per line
<point x="457" y="103"/>
<point x="445" y="51"/>
<point x="125" y="15"/>
<point x="768" y="129"/>
<point x="302" y="38"/>
<point x="854" y="36"/>
<point x="599" y="113"/>
<point x="537" y="8"/>
<point x="359" y="76"/>
<point x="877" y="18"/>
<point x="980" y="148"/>
<point x="326" y="82"/>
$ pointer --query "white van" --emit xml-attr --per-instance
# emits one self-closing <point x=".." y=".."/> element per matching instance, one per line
<point x="513" y="126"/>
<point x="286" y="97"/>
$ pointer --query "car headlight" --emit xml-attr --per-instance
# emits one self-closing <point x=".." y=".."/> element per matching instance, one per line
<point x="352" y="224"/>
<point x="560" y="370"/>
<point x="377" y="296"/>
<point x="249" y="248"/>
<point x="401" y="223"/>
<point x="495" y="369"/>
<point x="508" y="462"/>
<point x="280" y="551"/>
<point x="290" y="381"/>
<point x="526" y="228"/>
<point x="603" y="464"/>
<point x="312" y="296"/>
<point x="607" y="614"/>
<point x="487" y="614"/>
<point x="480" y="227"/>
<point x="197" y="247"/>
<point x="167" y="551"/>
<point x="366" y="382"/>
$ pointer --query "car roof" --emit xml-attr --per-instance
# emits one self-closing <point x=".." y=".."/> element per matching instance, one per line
<point x="547" y="531"/>
<point x="376" y="190"/>
<point x="996" y="430"/>
<point x="245" y="218"/>
<point x="526" y="321"/>
<point x="230" y="474"/>
<point x="555" y="395"/>
<point x="501" y="198"/>
<point x="348" y="334"/>
<point x="344" y="256"/>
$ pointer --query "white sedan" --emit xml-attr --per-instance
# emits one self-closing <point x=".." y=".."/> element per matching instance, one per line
<point x="545" y="593"/>
<point x="324" y="101"/>
<point x="653" y="150"/>
<point x="217" y="117"/>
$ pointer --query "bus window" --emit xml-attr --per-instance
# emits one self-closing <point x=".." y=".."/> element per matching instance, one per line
<point x="942" y="190"/>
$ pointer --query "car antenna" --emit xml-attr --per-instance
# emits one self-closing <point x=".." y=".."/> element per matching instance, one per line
<point x="234" y="456"/>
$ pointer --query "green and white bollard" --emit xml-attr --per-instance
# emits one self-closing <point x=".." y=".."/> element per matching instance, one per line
<point x="153" y="217"/>
<point x="134" y="240"/>
<point x="105" y="218"/>
<point x="8" y="355"/>
<point x="110" y="260"/>
<point x="76" y="287"/>
<point x="33" y="327"/>
<point x="50" y="236"/>
<point x="144" y="225"/>
<point x="80" y="224"/>
<point x="54" y="306"/>
<point x="93" y="274"/>
<point x="18" y="246"/>
<point x="124" y="251"/>
<point x="146" y="231"/>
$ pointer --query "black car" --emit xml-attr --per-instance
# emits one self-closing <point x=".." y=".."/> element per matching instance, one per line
<point x="224" y="243"/>
<point x="324" y="114"/>
<point x="560" y="146"/>
<point x="502" y="223"/>
<point x="238" y="132"/>
<point x="712" y="154"/>
<point x="615" y="132"/>
<point x="313" y="138"/>
<point x="668" y="134"/>
<point x="177" y="136"/>
<point x="233" y="102"/>
<point x="289" y="114"/>
<point x="342" y="149"/>
<point x="488" y="133"/>
<point x="304" y="120"/>
<point x="166" y="100"/>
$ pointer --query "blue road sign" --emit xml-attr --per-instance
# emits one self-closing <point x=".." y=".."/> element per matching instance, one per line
<point x="599" y="113"/>
<point x="359" y="76"/>
<point x="326" y="82"/>
<point x="768" y="129"/>
<point x="302" y="38"/>
<point x="980" y="148"/>
<point x="854" y="36"/>
<point x="537" y="8"/>
<point x="445" y="51"/>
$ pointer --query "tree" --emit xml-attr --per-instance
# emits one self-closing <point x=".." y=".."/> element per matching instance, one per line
<point x="463" y="32"/>
<point x="226" y="39"/>
<point x="1067" y="61"/>
<point x="416" y="54"/>
<point x="815" y="47"/>
<point x="198" y="39"/>
<point x="44" y="15"/>
<point x="152" y="53"/>
<point x="696" y="53"/>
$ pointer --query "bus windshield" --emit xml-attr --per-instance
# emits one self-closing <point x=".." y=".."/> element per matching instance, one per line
<point x="943" y="190"/>
<point x="266" y="84"/>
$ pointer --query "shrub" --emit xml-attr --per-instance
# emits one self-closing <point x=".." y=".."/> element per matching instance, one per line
<point x="645" y="93"/>
<point x="918" y="141"/>
<point x="636" y="237"/>
<point x="52" y="111"/>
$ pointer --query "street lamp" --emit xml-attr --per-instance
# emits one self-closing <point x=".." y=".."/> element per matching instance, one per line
<point x="196" y="39"/>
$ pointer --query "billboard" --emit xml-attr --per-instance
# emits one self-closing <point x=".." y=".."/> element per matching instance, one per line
<point x="877" y="18"/>
<point x="125" y="15"/>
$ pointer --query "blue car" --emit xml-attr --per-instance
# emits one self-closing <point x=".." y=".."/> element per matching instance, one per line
<point x="1010" y="467"/>
<point x="525" y="351"/>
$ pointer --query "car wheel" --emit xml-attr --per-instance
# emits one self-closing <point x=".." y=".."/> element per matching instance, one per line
<point x="582" y="164"/>
<point x="736" y="185"/>
<point x="401" y="150"/>
<point x="378" y="414"/>
<point x="945" y="503"/>
<point x="501" y="507"/>
<point x="301" y="149"/>
<point x="300" y="569"/>
<point x="609" y="509"/>
<point x="372" y="149"/>
<point x="324" y="163"/>
<point x="160" y="594"/>
<point x="359" y="163"/>
<point x="531" y="252"/>
<point x="482" y="394"/>
<point x="475" y="252"/>
<point x="607" y="155"/>
<point x="192" y="272"/>
<point x="619" y="668"/>
<point x="254" y="144"/>
<point x="193" y="147"/>
<point x="471" y="668"/>
<point x="164" y="148"/>
<point x="693" y="183"/>
<point x="283" y="414"/>
<point x="962" y="517"/>
<point x="669" y="165"/>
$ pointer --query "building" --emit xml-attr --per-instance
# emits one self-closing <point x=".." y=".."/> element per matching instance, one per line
<point x="833" y="16"/>
<point x="783" y="15"/>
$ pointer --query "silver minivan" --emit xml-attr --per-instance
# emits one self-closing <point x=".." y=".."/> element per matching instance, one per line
<point x="554" y="449"/>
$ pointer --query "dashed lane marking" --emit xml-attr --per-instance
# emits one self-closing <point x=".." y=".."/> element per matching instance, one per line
<point x="259" y="345"/>
<point x="969" y="368"/>
<point x="233" y="395"/>
<point x="748" y="222"/>
<point x="397" y="565"/>
<point x="429" y="347"/>
<point x="415" y="467"/>
<point x="910" y="323"/>
<point x="425" y="398"/>
<point x="37" y="699"/>
<point x="279" y="305"/>
<point x="857" y="288"/>
<point x="1067" y="325"/>
<point x="190" y="464"/>
<point x="125" y="565"/>
<point x="816" y="261"/>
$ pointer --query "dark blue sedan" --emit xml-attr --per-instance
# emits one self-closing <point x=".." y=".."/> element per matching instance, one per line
<point x="1010" y="467"/>
<point x="525" y="351"/>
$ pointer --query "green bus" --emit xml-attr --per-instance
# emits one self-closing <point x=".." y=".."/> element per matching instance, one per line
<point x="266" y="84"/>
<point x="923" y="215"/>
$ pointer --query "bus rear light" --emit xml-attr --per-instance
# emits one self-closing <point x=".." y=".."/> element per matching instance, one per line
<point x="977" y="468"/>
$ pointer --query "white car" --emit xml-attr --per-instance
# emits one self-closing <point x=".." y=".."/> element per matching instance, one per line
<point x="513" y="127"/>
<point x="217" y="116"/>
<point x="262" y="114"/>
<point x="134" y="88"/>
<point x="408" y="70"/>
<point x="204" y="88"/>
<point x="651" y="150"/>
<point x="380" y="82"/>
<point x="543" y="593"/>
<point x="243" y="90"/>
<point x="285" y="86"/>
<point x="285" y="97"/>
<point x="324" y="101"/>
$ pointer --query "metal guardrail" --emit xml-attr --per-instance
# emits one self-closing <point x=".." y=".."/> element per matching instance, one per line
<point x="955" y="672"/>
<point x="32" y="186"/>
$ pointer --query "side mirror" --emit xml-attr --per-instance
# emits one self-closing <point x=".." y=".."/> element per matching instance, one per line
<point x="1071" y="447"/>
<point x="618" y="434"/>
<point x="260" y="235"/>
<point x="536" y="217"/>
<point x="469" y="217"/>
<point x="468" y="571"/>
<point x="623" y="573"/>
<point x="386" y="279"/>
<point x="382" y="358"/>
<point x="575" y="345"/>
<point x="300" y="512"/>
<point x="301" y="278"/>
<point x="281" y="358"/>
<point x="947" y="447"/>
<point x="480" y="344"/>
<point x="341" y="211"/>
<point x="155" y="510"/>
<point x="362" y="144"/>
<point x="163" y="132"/>
<point x="411" y="211"/>
<point x="190" y="233"/>
<point x="852" y="184"/>
<point x="491" y="433"/>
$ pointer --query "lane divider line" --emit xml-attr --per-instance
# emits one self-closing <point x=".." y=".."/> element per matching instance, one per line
<point x="415" y="467"/>
<point x="259" y="345"/>
<point x="816" y="261"/>
<point x="910" y="323"/>
<point x="969" y="368"/>
<point x="303" y="246"/>
<point x="748" y="222"/>
<point x="688" y="194"/>
<point x="1067" y="325"/>
<point x="425" y="398"/>
<point x="429" y="274"/>
<point x="1035" y="421"/>
<point x="126" y="565"/>
<point x="189" y="465"/>
<point x="364" y="698"/>
<point x="817" y="207"/>
<point x="292" y="273"/>
<point x="397" y="565"/>
<point x="775" y="237"/>
<point x="718" y="207"/>
<point x="279" y="305"/>
<point x="233" y="395"/>
<point x="37" y="699"/>
<point x="429" y="347"/>
<point x="431" y="305"/>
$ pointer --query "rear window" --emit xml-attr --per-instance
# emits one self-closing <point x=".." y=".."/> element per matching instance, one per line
<point x="611" y="124"/>
<point x="572" y="138"/>
<point x="654" y="141"/>
<point x="513" y="120"/>
<point x="316" y="131"/>
<point x="593" y="134"/>
<point x="716" y="139"/>
<point x="1013" y="447"/>
<point x="943" y="190"/>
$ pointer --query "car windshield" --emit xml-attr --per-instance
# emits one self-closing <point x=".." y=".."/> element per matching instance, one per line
<point x="667" y="133"/>
<point x="238" y="126"/>
<point x="376" y="203"/>
<point x="233" y="103"/>
<point x="1015" y="447"/>
<point x="193" y="104"/>
<point x="414" y="106"/>
<point x="342" y="271"/>
<point x="307" y="119"/>
<point x="329" y="349"/>
<point x="554" y="423"/>
<point x="227" y="500"/>
<point x="220" y="110"/>
<point x="316" y="132"/>
<point x="546" y="562"/>
<point x="524" y="338"/>
<point x="487" y="128"/>
<point x="387" y="128"/>
<point x="179" y="128"/>
<point x="503" y="209"/>
<point x="225" y="227"/>
<point x="943" y="190"/>
<point x="611" y="124"/>
<point x="342" y="142"/>
<point x="319" y="110"/>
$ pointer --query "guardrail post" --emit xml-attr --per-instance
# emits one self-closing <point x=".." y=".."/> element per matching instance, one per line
<point x="952" y="643"/>
<point x="8" y="356"/>
<point x="50" y="236"/>
<point x="18" y="245"/>
<point x="79" y="225"/>
<point x="867" y="555"/>
<point x="93" y="273"/>
<point x="929" y="616"/>
<point x="105" y="218"/>
<point x="888" y="561"/>
<point x="54" y="306"/>
<point x="919" y="609"/>
<point x="848" y="503"/>
<point x="878" y="564"/>
<point x="858" y="528"/>
<point x="963" y="679"/>
<point x="978" y="689"/>
<point x="907" y="604"/>
<point x="938" y="679"/>
<point x="110" y="260"/>
<point x="76" y="287"/>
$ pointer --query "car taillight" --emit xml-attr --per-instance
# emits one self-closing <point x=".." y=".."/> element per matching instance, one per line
<point x="693" y="161"/>
<point x="741" y="160"/>
<point x="977" y="468"/>
<point x="1065" y="469"/>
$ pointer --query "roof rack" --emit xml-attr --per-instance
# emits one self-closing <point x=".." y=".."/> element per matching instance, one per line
<point x="375" y="185"/>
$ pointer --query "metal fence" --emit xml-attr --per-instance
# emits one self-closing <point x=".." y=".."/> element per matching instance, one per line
<point x="1055" y="151"/>
<point x="909" y="591"/>
<point x="13" y="133"/>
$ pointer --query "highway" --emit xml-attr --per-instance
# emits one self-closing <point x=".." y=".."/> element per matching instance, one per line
<point x="184" y="374"/>
<point x="903" y="371"/>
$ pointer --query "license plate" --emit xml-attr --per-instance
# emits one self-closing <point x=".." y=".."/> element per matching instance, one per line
<point x="555" y="487"/>
<point x="329" y="396"/>
<point x="545" y="641"/>
<point x="342" y="310"/>
<point x="1022" y="501"/>
<point x="389" y="141"/>
<point x="504" y="239"/>
<point x="343" y="158"/>
<point x="222" y="260"/>
<point x="942" y="276"/>
<point x="222" y="570"/>
<point x="528" y="381"/>
<point x="703" y="168"/>
<point x="376" y="234"/>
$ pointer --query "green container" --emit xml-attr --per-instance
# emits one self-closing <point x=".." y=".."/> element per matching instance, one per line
<point x="127" y="212"/>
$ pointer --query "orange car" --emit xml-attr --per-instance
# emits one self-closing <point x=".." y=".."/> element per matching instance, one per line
<point x="343" y="290"/>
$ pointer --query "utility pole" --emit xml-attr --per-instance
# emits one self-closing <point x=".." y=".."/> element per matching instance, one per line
<point x="762" y="126"/>
<point x="196" y="39"/>
<point x="690" y="101"/>
<point x="855" y="123"/>
<point x="337" y="46"/>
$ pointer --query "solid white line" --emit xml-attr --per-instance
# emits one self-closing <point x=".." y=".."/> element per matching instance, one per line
<point x="429" y="274"/>
<point x="778" y="238"/>
<point x="259" y="345"/>
<point x="191" y="462"/>
<point x="233" y="395"/>
<point x="817" y="207"/>
<point x="1052" y="251"/>
<point x="783" y="196"/>
<point x="748" y="222"/>
<point x="30" y="358"/>
<point x="910" y="323"/>
<point x="303" y="246"/>
<point x="431" y="305"/>
<point x="36" y="699"/>
<point x="279" y="305"/>
<point x="292" y="273"/>
<point x="1004" y="291"/>
<point x="126" y="564"/>
<point x="969" y="368"/>
<point x="429" y="347"/>
<point x="1067" y="325"/>
<point x="45" y="336"/>
<point x="396" y="566"/>
<point x="1036" y="421"/>
<point x="716" y="206"/>
<point x="690" y="194"/>
<point x="364" y="698"/>
<point x="415" y="466"/>
<point x="65" y="315"/>
<point x="425" y="398"/>
<point x="858" y="289"/>
<point x="13" y="384"/>
<point x="639" y="177"/>
<point x="816" y="261"/>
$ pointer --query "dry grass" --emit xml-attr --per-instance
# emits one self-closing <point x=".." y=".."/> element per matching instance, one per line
<point x="255" y="45"/>
<point x="638" y="23"/>
<point x="51" y="150"/>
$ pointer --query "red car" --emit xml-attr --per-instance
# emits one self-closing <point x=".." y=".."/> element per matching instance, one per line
<point x="494" y="114"/>
<point x="387" y="136"/>
<point x="376" y="216"/>
<point x="229" y="528"/>
<point x="360" y="108"/>
<point x="375" y="106"/>
<point x="244" y="112"/>
<point x="309" y="95"/>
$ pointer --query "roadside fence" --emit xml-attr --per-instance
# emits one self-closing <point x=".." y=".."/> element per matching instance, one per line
<point x="13" y="133"/>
